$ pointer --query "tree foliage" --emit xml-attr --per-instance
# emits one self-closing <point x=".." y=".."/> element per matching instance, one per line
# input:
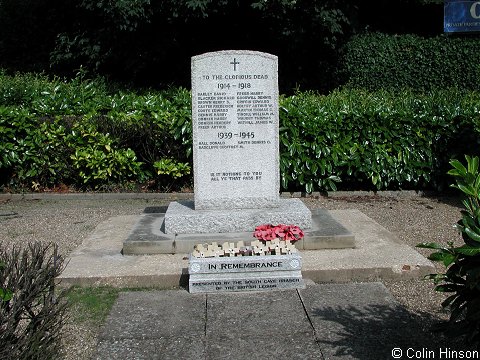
<point x="150" y="43"/>
<point x="147" y="42"/>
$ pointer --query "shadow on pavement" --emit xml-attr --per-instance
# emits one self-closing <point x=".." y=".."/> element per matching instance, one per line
<point x="378" y="332"/>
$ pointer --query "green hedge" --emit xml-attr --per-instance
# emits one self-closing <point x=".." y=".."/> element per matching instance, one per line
<point x="81" y="134"/>
<point x="379" y="140"/>
<point x="378" y="61"/>
<point x="86" y="136"/>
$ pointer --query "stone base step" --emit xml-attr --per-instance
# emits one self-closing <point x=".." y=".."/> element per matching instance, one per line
<point x="148" y="237"/>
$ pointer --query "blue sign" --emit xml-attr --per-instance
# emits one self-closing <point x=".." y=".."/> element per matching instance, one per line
<point x="461" y="16"/>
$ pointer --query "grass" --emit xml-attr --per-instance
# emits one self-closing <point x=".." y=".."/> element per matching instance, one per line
<point x="92" y="305"/>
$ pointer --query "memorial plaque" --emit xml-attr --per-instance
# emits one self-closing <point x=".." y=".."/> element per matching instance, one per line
<point x="235" y="130"/>
<point x="245" y="273"/>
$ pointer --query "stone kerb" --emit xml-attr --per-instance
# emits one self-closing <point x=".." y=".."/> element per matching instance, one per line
<point x="235" y="130"/>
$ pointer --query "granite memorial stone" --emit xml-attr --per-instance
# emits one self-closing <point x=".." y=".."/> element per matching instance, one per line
<point x="235" y="130"/>
<point x="235" y="148"/>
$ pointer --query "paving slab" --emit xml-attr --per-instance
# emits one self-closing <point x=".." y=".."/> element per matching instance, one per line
<point x="174" y="348"/>
<point x="253" y="313"/>
<point x="273" y="345"/>
<point x="140" y="314"/>
<point x="378" y="254"/>
<point x="360" y="321"/>
<point x="323" y="321"/>
<point x="154" y="325"/>
<point x="258" y="325"/>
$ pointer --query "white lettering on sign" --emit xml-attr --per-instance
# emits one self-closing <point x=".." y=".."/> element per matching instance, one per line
<point x="473" y="10"/>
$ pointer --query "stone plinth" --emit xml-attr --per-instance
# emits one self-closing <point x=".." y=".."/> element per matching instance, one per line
<point x="182" y="218"/>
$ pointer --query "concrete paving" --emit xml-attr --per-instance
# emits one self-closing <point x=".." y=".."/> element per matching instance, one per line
<point x="378" y="255"/>
<point x="324" y="321"/>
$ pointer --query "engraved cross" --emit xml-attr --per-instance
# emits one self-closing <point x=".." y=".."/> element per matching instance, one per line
<point x="234" y="63"/>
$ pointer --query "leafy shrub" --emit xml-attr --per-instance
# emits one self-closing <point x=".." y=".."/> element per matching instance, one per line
<point x="172" y="168"/>
<point x="32" y="150"/>
<point x="31" y="312"/>
<point x="153" y="124"/>
<point x="53" y="96"/>
<point x="77" y="133"/>
<point x="170" y="171"/>
<point x="373" y="140"/>
<point x="47" y="153"/>
<point x="462" y="277"/>
<point x="99" y="162"/>
<point x="378" y="61"/>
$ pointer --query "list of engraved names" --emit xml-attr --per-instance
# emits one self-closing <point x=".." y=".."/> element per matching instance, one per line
<point x="250" y="109"/>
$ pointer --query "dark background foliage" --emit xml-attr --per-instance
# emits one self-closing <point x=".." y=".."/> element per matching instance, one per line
<point x="149" y="43"/>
